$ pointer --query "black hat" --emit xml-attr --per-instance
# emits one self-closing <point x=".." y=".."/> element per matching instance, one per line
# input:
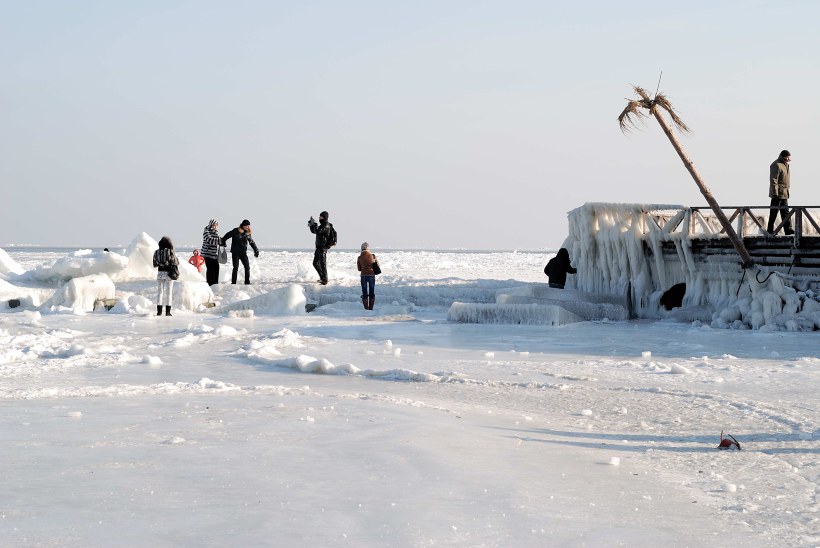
<point x="245" y="223"/>
<point x="324" y="215"/>
<point x="785" y="153"/>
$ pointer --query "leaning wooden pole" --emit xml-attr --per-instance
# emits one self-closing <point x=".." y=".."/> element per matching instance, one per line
<point x="745" y="259"/>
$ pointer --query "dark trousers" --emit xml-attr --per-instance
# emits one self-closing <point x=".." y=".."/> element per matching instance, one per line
<point x="211" y="271"/>
<point x="244" y="258"/>
<point x="783" y="214"/>
<point x="320" y="263"/>
<point x="368" y="286"/>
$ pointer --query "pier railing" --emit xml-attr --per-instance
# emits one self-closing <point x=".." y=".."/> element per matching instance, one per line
<point x="748" y="221"/>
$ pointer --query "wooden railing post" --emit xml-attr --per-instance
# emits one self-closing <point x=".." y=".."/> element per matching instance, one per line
<point x="741" y="223"/>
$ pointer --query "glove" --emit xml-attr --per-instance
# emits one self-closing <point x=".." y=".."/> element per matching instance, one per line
<point x="255" y="254"/>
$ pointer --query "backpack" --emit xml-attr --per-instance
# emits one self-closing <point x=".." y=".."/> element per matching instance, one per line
<point x="333" y="237"/>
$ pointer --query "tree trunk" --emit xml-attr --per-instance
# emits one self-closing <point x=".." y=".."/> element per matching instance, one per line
<point x="745" y="259"/>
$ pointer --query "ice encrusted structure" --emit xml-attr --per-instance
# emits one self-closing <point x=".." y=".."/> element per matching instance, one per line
<point x="618" y="250"/>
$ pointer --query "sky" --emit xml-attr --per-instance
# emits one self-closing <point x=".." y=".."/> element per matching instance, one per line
<point x="459" y="124"/>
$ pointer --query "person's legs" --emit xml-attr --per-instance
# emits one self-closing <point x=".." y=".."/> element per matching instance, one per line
<point x="772" y="214"/>
<point x="317" y="262"/>
<point x="784" y="214"/>
<point x="169" y="292"/>
<point x="247" y="264"/>
<point x="165" y="291"/>
<point x="160" y="296"/>
<point x="235" y="259"/>
<point x="211" y="271"/>
<point x="364" y="292"/>
<point x="320" y="264"/>
<point x="371" y="291"/>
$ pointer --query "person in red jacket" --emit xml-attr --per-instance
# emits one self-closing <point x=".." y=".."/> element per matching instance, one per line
<point x="197" y="260"/>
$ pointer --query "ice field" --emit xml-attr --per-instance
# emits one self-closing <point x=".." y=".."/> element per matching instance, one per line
<point x="254" y="423"/>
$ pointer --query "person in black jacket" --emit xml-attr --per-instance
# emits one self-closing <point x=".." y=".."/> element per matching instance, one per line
<point x="558" y="267"/>
<point x="240" y="239"/>
<point x="325" y="239"/>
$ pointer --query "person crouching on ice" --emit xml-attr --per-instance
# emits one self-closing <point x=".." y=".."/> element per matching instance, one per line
<point x="557" y="269"/>
<point x="197" y="260"/>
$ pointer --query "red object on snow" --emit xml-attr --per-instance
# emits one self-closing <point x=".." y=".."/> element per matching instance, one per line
<point x="197" y="260"/>
<point x="728" y="442"/>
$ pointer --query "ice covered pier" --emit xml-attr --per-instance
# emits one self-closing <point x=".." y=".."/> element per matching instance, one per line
<point x="636" y="253"/>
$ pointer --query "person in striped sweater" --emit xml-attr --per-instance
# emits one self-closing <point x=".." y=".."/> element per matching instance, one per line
<point x="210" y="251"/>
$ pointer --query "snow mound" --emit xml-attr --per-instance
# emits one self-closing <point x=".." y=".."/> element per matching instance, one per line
<point x="80" y="264"/>
<point x="28" y="297"/>
<point x="8" y="265"/>
<point x="190" y="295"/>
<point x="284" y="301"/>
<point x="140" y="254"/>
<point x="133" y="304"/>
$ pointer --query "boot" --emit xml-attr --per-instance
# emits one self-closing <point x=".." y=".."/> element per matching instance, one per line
<point x="370" y="302"/>
<point x="167" y="310"/>
<point x="159" y="310"/>
<point x="365" y="302"/>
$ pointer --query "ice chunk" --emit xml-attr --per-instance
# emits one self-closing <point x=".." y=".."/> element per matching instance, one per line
<point x="288" y="300"/>
<point x="531" y="314"/>
<point x="80" y="293"/>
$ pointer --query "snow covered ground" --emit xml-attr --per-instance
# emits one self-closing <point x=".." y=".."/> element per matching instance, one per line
<point x="247" y="426"/>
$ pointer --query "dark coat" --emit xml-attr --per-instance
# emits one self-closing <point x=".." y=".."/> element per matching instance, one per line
<point x="324" y="233"/>
<point x="779" y="180"/>
<point x="239" y="242"/>
<point x="164" y="257"/>
<point x="558" y="267"/>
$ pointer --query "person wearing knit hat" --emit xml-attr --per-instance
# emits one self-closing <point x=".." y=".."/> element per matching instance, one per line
<point x="779" y="184"/>
<point x="240" y="238"/>
<point x="325" y="239"/>
<point x="210" y="251"/>
<point x="366" y="265"/>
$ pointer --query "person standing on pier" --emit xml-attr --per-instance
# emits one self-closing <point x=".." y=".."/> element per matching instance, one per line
<point x="779" y="192"/>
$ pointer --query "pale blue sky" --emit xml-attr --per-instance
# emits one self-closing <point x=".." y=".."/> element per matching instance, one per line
<point x="445" y="124"/>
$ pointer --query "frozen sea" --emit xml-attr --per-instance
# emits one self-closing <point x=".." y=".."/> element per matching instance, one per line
<point x="396" y="427"/>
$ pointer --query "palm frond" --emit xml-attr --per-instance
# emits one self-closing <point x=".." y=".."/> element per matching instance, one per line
<point x="642" y="92"/>
<point x="631" y="115"/>
<point x="633" y="112"/>
<point x="663" y="102"/>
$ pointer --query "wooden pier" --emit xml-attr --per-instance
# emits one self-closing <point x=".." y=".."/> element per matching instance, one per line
<point x="798" y="252"/>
